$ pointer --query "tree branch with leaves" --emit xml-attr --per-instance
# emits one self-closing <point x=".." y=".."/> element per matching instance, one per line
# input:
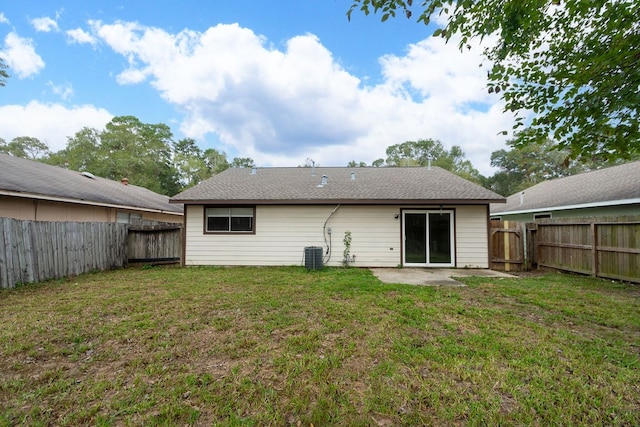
<point x="567" y="69"/>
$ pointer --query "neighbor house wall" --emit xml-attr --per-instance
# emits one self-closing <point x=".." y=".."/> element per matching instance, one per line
<point x="621" y="210"/>
<point x="44" y="210"/>
<point x="282" y="233"/>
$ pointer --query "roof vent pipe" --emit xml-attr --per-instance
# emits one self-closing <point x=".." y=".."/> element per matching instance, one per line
<point x="522" y="198"/>
<point x="254" y="170"/>
<point x="353" y="176"/>
<point x="324" y="180"/>
<point x="125" y="181"/>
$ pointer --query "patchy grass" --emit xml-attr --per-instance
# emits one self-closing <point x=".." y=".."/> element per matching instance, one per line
<point x="256" y="346"/>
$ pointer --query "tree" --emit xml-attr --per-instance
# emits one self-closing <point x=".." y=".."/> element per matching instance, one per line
<point x="4" y="75"/>
<point x="524" y="166"/>
<point x="25" y="147"/>
<point x="193" y="166"/>
<point x="575" y="64"/>
<point x="354" y="164"/>
<point x="82" y="152"/>
<point x="427" y="152"/>
<point x="242" y="162"/>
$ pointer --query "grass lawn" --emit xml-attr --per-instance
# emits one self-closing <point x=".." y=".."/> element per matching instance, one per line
<point x="283" y="346"/>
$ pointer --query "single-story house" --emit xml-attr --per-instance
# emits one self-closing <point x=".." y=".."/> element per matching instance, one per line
<point x="612" y="191"/>
<point x="414" y="216"/>
<point x="31" y="190"/>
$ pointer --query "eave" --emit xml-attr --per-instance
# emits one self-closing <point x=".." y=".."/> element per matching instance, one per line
<point x="84" y="202"/>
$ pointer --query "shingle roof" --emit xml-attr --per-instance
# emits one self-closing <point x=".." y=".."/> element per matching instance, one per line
<point x="606" y="186"/>
<point x="371" y="185"/>
<point x="29" y="177"/>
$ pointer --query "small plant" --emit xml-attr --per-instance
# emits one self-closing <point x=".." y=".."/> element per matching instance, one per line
<point x="346" y="255"/>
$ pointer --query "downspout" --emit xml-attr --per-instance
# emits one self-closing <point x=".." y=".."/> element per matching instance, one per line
<point x="324" y="233"/>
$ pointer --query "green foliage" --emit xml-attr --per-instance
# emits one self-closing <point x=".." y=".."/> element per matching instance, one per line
<point x="144" y="153"/>
<point x="354" y="164"/>
<point x="242" y="162"/>
<point x="573" y="63"/>
<point x="525" y="165"/>
<point x="192" y="165"/>
<point x="4" y="75"/>
<point x="25" y="147"/>
<point x="346" y="254"/>
<point x="425" y="152"/>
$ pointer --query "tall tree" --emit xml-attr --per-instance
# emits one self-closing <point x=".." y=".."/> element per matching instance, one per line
<point x="523" y="166"/>
<point x="82" y="152"/>
<point x="139" y="151"/>
<point x="193" y="165"/>
<point x="427" y="152"/>
<point x="26" y="147"/>
<point x="4" y="75"/>
<point x="242" y="162"/>
<point x="575" y="64"/>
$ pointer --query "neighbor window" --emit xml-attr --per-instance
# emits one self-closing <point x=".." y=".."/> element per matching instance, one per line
<point x="235" y="219"/>
<point x="127" y="217"/>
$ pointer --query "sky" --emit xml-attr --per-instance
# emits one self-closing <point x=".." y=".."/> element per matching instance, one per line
<point x="279" y="81"/>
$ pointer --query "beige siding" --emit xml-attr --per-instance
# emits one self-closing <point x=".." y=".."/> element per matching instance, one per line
<point x="282" y="233"/>
<point x="472" y="237"/>
<point x="45" y="210"/>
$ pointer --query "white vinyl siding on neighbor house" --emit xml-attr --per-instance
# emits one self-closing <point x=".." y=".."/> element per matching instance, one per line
<point x="282" y="233"/>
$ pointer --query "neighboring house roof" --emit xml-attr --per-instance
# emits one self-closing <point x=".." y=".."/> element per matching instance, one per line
<point x="366" y="186"/>
<point x="31" y="179"/>
<point x="616" y="185"/>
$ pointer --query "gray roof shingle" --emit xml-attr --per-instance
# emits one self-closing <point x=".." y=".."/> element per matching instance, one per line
<point x="371" y="185"/>
<point x="35" y="178"/>
<point x="601" y="186"/>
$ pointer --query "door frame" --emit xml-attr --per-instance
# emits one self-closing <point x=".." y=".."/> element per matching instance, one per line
<point x="452" y="236"/>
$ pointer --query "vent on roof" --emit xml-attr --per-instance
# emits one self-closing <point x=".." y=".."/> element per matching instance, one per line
<point x="254" y="170"/>
<point x="88" y="175"/>
<point x="353" y="176"/>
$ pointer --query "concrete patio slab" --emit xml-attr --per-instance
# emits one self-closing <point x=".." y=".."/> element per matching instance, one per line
<point x="431" y="276"/>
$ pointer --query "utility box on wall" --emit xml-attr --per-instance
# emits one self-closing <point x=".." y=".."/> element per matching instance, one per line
<point x="313" y="257"/>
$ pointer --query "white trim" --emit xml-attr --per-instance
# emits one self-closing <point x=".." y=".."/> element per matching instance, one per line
<point x="452" y="238"/>
<point x="84" y="202"/>
<point x="566" y="207"/>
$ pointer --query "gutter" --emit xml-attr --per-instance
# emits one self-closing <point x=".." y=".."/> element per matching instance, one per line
<point x="576" y="206"/>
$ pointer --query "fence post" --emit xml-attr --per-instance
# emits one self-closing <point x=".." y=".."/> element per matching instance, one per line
<point x="594" y="249"/>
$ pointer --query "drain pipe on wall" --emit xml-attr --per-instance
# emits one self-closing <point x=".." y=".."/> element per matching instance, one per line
<point x="326" y="231"/>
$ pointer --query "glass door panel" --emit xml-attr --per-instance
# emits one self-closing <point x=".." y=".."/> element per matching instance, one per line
<point x="415" y="229"/>
<point x="440" y="238"/>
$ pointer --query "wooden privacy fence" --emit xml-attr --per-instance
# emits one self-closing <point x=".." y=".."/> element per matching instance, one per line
<point x="507" y="246"/>
<point x="603" y="247"/>
<point x="154" y="242"/>
<point x="31" y="251"/>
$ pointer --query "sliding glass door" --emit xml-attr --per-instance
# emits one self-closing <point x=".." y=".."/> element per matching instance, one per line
<point x="428" y="238"/>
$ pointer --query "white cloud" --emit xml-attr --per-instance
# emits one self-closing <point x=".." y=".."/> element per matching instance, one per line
<point x="50" y="123"/>
<point x="44" y="24"/>
<point x="80" y="36"/>
<point x="21" y="56"/>
<point x="3" y="19"/>
<point x="280" y="106"/>
<point x="64" y="91"/>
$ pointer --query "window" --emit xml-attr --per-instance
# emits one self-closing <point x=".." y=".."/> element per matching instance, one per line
<point x="127" y="217"/>
<point x="235" y="219"/>
<point x="541" y="216"/>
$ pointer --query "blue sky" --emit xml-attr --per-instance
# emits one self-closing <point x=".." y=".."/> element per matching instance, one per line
<point x="277" y="81"/>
